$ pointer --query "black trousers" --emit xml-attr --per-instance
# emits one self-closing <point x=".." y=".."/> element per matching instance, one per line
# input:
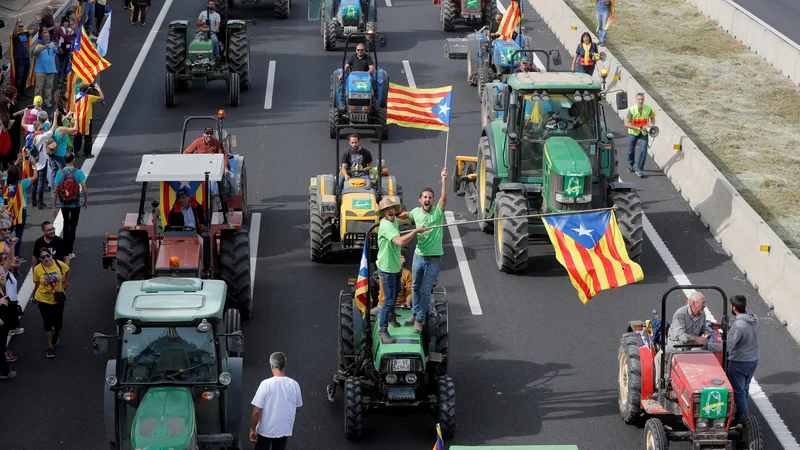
<point x="84" y="141"/>
<point x="71" y="216"/>
<point x="52" y="316"/>
<point x="99" y="14"/>
<point x="4" y="369"/>
<point x="22" y="68"/>
<point x="265" y="443"/>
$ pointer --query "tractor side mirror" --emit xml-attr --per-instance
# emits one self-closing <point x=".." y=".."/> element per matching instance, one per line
<point x="556" y="56"/>
<point x="500" y="101"/>
<point x="236" y="342"/>
<point x="622" y="100"/>
<point x="100" y="343"/>
<point x="381" y="39"/>
<point x="610" y="136"/>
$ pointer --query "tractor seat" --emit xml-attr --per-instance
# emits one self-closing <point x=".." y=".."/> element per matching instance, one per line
<point x="173" y="359"/>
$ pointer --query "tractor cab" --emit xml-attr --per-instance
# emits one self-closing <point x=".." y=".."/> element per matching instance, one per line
<point x="408" y="375"/>
<point x="175" y="380"/>
<point x="693" y="397"/>
<point x="359" y="97"/>
<point x="345" y="215"/>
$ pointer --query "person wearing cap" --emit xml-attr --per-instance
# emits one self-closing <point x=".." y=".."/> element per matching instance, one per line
<point x="525" y="65"/>
<point x="389" y="263"/>
<point x="186" y="212"/>
<point x="206" y="144"/>
<point x="45" y="68"/>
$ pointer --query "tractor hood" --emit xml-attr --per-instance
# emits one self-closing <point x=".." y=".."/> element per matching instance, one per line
<point x="409" y="344"/>
<point x="359" y="83"/>
<point x="565" y="157"/>
<point x="164" y="420"/>
<point x="502" y="51"/>
<point x="201" y="48"/>
<point x="349" y="12"/>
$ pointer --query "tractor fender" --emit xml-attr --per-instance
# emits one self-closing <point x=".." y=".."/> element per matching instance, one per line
<point x="621" y="186"/>
<point x="512" y="187"/>
<point x="237" y="175"/>
<point x="326" y="199"/>
<point x="330" y="10"/>
<point x="383" y="87"/>
<point x="233" y="397"/>
<point x="179" y="24"/>
<point x="337" y="99"/>
<point x="646" y="357"/>
<point x="110" y="404"/>
<point x="235" y="24"/>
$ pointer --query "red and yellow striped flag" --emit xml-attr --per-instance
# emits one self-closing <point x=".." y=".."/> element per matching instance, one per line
<point x="510" y="21"/>
<point x="419" y="108"/>
<point x="590" y="246"/>
<point x="86" y="61"/>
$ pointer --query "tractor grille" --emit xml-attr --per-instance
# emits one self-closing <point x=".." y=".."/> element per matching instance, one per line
<point x="359" y="226"/>
<point x="401" y="393"/>
<point x="557" y="185"/>
<point x="348" y="28"/>
<point x="359" y="117"/>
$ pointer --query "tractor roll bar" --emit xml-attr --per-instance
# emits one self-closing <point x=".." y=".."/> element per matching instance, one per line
<point x="722" y="334"/>
<point x="378" y="129"/>
<point x="370" y="258"/>
<point x="217" y="124"/>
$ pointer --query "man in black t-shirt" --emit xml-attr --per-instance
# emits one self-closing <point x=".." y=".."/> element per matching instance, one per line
<point x="54" y="244"/>
<point x="22" y="55"/>
<point x="360" y="62"/>
<point x="355" y="158"/>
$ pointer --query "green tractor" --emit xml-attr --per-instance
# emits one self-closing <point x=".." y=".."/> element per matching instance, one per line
<point x="406" y="376"/>
<point x="282" y="7"/>
<point x="548" y="151"/>
<point x="190" y="59"/>
<point x="176" y="377"/>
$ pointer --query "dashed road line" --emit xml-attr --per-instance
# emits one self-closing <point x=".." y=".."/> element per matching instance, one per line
<point x="270" y="85"/>
<point x="409" y="74"/>
<point x="255" y="226"/>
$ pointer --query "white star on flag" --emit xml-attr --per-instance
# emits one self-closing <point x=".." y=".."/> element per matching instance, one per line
<point x="583" y="231"/>
<point x="443" y="109"/>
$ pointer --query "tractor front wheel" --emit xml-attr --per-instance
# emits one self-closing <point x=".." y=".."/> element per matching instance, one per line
<point x="486" y="184"/>
<point x="484" y="76"/>
<point x="629" y="218"/>
<point x="239" y="55"/>
<point x="382" y="113"/>
<point x="442" y="335"/>
<point x="234" y="87"/>
<point x="629" y="380"/>
<point x="329" y="36"/>
<point x="320" y="231"/>
<point x="511" y="235"/>
<point x="347" y="343"/>
<point x="133" y="256"/>
<point x="655" y="437"/>
<point x="282" y="8"/>
<point x="221" y="6"/>
<point x="233" y="267"/>
<point x="233" y="322"/>
<point x="333" y="119"/>
<point x="169" y="89"/>
<point x="448" y="15"/>
<point x="752" y="436"/>
<point x="446" y="417"/>
<point x="353" y="408"/>
<point x="489" y="11"/>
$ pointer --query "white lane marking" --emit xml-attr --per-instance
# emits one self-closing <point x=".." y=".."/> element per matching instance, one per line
<point x="536" y="61"/>
<point x="270" y="85"/>
<point x="757" y="394"/>
<point x="255" y="226"/>
<point x="26" y="291"/>
<point x="409" y="74"/>
<point x="388" y="2"/>
<point x="463" y="266"/>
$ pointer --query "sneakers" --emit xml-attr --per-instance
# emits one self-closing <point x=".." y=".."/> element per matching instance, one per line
<point x="393" y="322"/>
<point x="410" y="320"/>
<point x="639" y="174"/>
<point x="630" y="169"/>
<point x="10" y="375"/>
<point x="384" y="336"/>
<point x="10" y="357"/>
<point x="17" y="332"/>
<point x="418" y="327"/>
<point x="72" y="256"/>
<point x="50" y="353"/>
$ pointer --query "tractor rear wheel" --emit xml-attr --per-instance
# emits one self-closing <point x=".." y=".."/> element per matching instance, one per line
<point x="233" y="267"/>
<point x="486" y="184"/>
<point x="221" y="7"/>
<point x="176" y="49"/>
<point x="382" y="113"/>
<point x="489" y="11"/>
<point x="233" y="322"/>
<point x="511" y="235"/>
<point x="484" y="76"/>
<point x="333" y="119"/>
<point x="347" y="342"/>
<point x="233" y="88"/>
<point x="329" y="36"/>
<point x="320" y="231"/>
<point x="442" y="336"/>
<point x="655" y="438"/>
<point x="446" y="417"/>
<point x="169" y="89"/>
<point x="239" y="55"/>
<point x="629" y="219"/>
<point x="353" y="408"/>
<point x="448" y="15"/>
<point x="629" y="380"/>
<point x="133" y="256"/>
<point x="282" y="8"/>
<point x="752" y="436"/>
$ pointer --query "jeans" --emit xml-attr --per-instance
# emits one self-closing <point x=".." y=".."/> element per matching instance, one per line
<point x="740" y="373"/>
<point x="83" y="140"/>
<point x="602" y="18"/>
<point x="214" y="41"/>
<point x="44" y="86"/>
<point x="364" y="176"/>
<point x="586" y="69"/>
<point x="642" y="140"/>
<point x="37" y="193"/>
<point x="87" y="18"/>
<point x="22" y="68"/>
<point x="19" y="230"/>
<point x="71" y="216"/>
<point x="55" y="164"/>
<point x="424" y="270"/>
<point x="391" y="286"/>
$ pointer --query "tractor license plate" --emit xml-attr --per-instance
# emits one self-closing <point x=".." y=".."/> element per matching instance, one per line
<point x="401" y="365"/>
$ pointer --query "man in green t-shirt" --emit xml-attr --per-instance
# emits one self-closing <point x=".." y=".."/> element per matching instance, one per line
<point x="389" y="267"/>
<point x="428" y="255"/>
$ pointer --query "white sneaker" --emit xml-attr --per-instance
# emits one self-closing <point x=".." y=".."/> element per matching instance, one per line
<point x="72" y="256"/>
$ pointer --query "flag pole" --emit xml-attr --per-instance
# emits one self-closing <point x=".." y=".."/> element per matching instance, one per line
<point x="446" y="146"/>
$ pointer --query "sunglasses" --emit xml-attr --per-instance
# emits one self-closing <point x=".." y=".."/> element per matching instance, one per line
<point x="5" y="229"/>
<point x="48" y="256"/>
<point x="360" y="50"/>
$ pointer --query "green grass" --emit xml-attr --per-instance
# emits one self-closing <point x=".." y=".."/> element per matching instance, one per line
<point x="742" y="113"/>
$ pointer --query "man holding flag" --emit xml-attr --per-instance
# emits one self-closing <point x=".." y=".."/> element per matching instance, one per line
<point x="511" y="20"/>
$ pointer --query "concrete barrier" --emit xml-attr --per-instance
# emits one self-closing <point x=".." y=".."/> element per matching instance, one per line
<point x="751" y="244"/>
<point x="769" y="43"/>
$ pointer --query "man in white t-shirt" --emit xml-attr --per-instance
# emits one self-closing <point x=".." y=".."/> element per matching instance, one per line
<point x="213" y="19"/>
<point x="274" y="407"/>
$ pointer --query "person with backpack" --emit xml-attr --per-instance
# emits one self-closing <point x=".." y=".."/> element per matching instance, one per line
<point x="68" y="185"/>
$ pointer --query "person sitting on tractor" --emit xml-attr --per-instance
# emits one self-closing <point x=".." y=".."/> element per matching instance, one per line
<point x="360" y="62"/>
<point x="525" y="65"/>
<point x="494" y="29"/>
<point x="207" y="144"/>
<point x="211" y="18"/>
<point x="186" y="212"/>
<point x="356" y="161"/>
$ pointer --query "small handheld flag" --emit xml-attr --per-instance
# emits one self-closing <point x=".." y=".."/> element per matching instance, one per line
<point x="362" y="282"/>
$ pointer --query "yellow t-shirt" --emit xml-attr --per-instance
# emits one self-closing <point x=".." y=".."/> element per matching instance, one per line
<point x="50" y="280"/>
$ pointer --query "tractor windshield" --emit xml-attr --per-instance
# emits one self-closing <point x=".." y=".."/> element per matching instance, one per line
<point x="169" y="355"/>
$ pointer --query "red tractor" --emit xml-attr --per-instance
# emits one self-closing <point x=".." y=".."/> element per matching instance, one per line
<point x="695" y="403"/>
<point x="474" y="13"/>
<point x="147" y="246"/>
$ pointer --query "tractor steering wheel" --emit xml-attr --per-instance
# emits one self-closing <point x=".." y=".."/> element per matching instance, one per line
<point x="554" y="122"/>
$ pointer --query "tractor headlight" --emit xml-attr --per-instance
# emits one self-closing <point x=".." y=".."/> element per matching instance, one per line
<point x="720" y="423"/>
<point x="111" y="380"/>
<point x="560" y="198"/>
<point x="225" y="378"/>
<point x="129" y="328"/>
<point x="702" y="423"/>
<point x="512" y="135"/>
<point x="587" y="198"/>
<point x="411" y="378"/>
<point x="391" y="378"/>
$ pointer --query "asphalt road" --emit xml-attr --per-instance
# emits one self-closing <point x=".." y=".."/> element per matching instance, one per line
<point x="537" y="367"/>
<point x="780" y="14"/>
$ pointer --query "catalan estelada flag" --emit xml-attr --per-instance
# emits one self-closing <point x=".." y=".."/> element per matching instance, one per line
<point x="12" y="69"/>
<point x="169" y="194"/>
<point x="439" y="444"/>
<point x="86" y="62"/>
<point x="16" y="201"/>
<point x="510" y="21"/>
<point x="419" y="108"/>
<point x="590" y="246"/>
<point x="362" y="282"/>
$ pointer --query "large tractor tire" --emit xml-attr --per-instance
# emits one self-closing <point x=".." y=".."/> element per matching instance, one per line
<point x="334" y="116"/>
<point x="233" y="322"/>
<point x="347" y="340"/>
<point x="329" y="35"/>
<point x="629" y="219"/>
<point x="133" y="256"/>
<point x="382" y="113"/>
<point x="511" y="235"/>
<point x="169" y="89"/>
<point x="282" y="8"/>
<point x="655" y="437"/>
<point x="629" y="380"/>
<point x="448" y="15"/>
<point x="442" y="336"/>
<point x="489" y="11"/>
<point x="752" y="437"/>
<point x="221" y="7"/>
<point x="446" y="412"/>
<point x="484" y="76"/>
<point x="176" y="50"/>
<point x="353" y="408"/>
<point x="234" y="88"/>
<point x="239" y="56"/>
<point x="371" y="27"/>
<point x="486" y="106"/>
<point x="320" y="231"/>
<point x="233" y="267"/>
<point x="485" y="184"/>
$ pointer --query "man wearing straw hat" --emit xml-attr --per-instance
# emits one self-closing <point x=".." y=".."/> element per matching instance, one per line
<point x="389" y="266"/>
